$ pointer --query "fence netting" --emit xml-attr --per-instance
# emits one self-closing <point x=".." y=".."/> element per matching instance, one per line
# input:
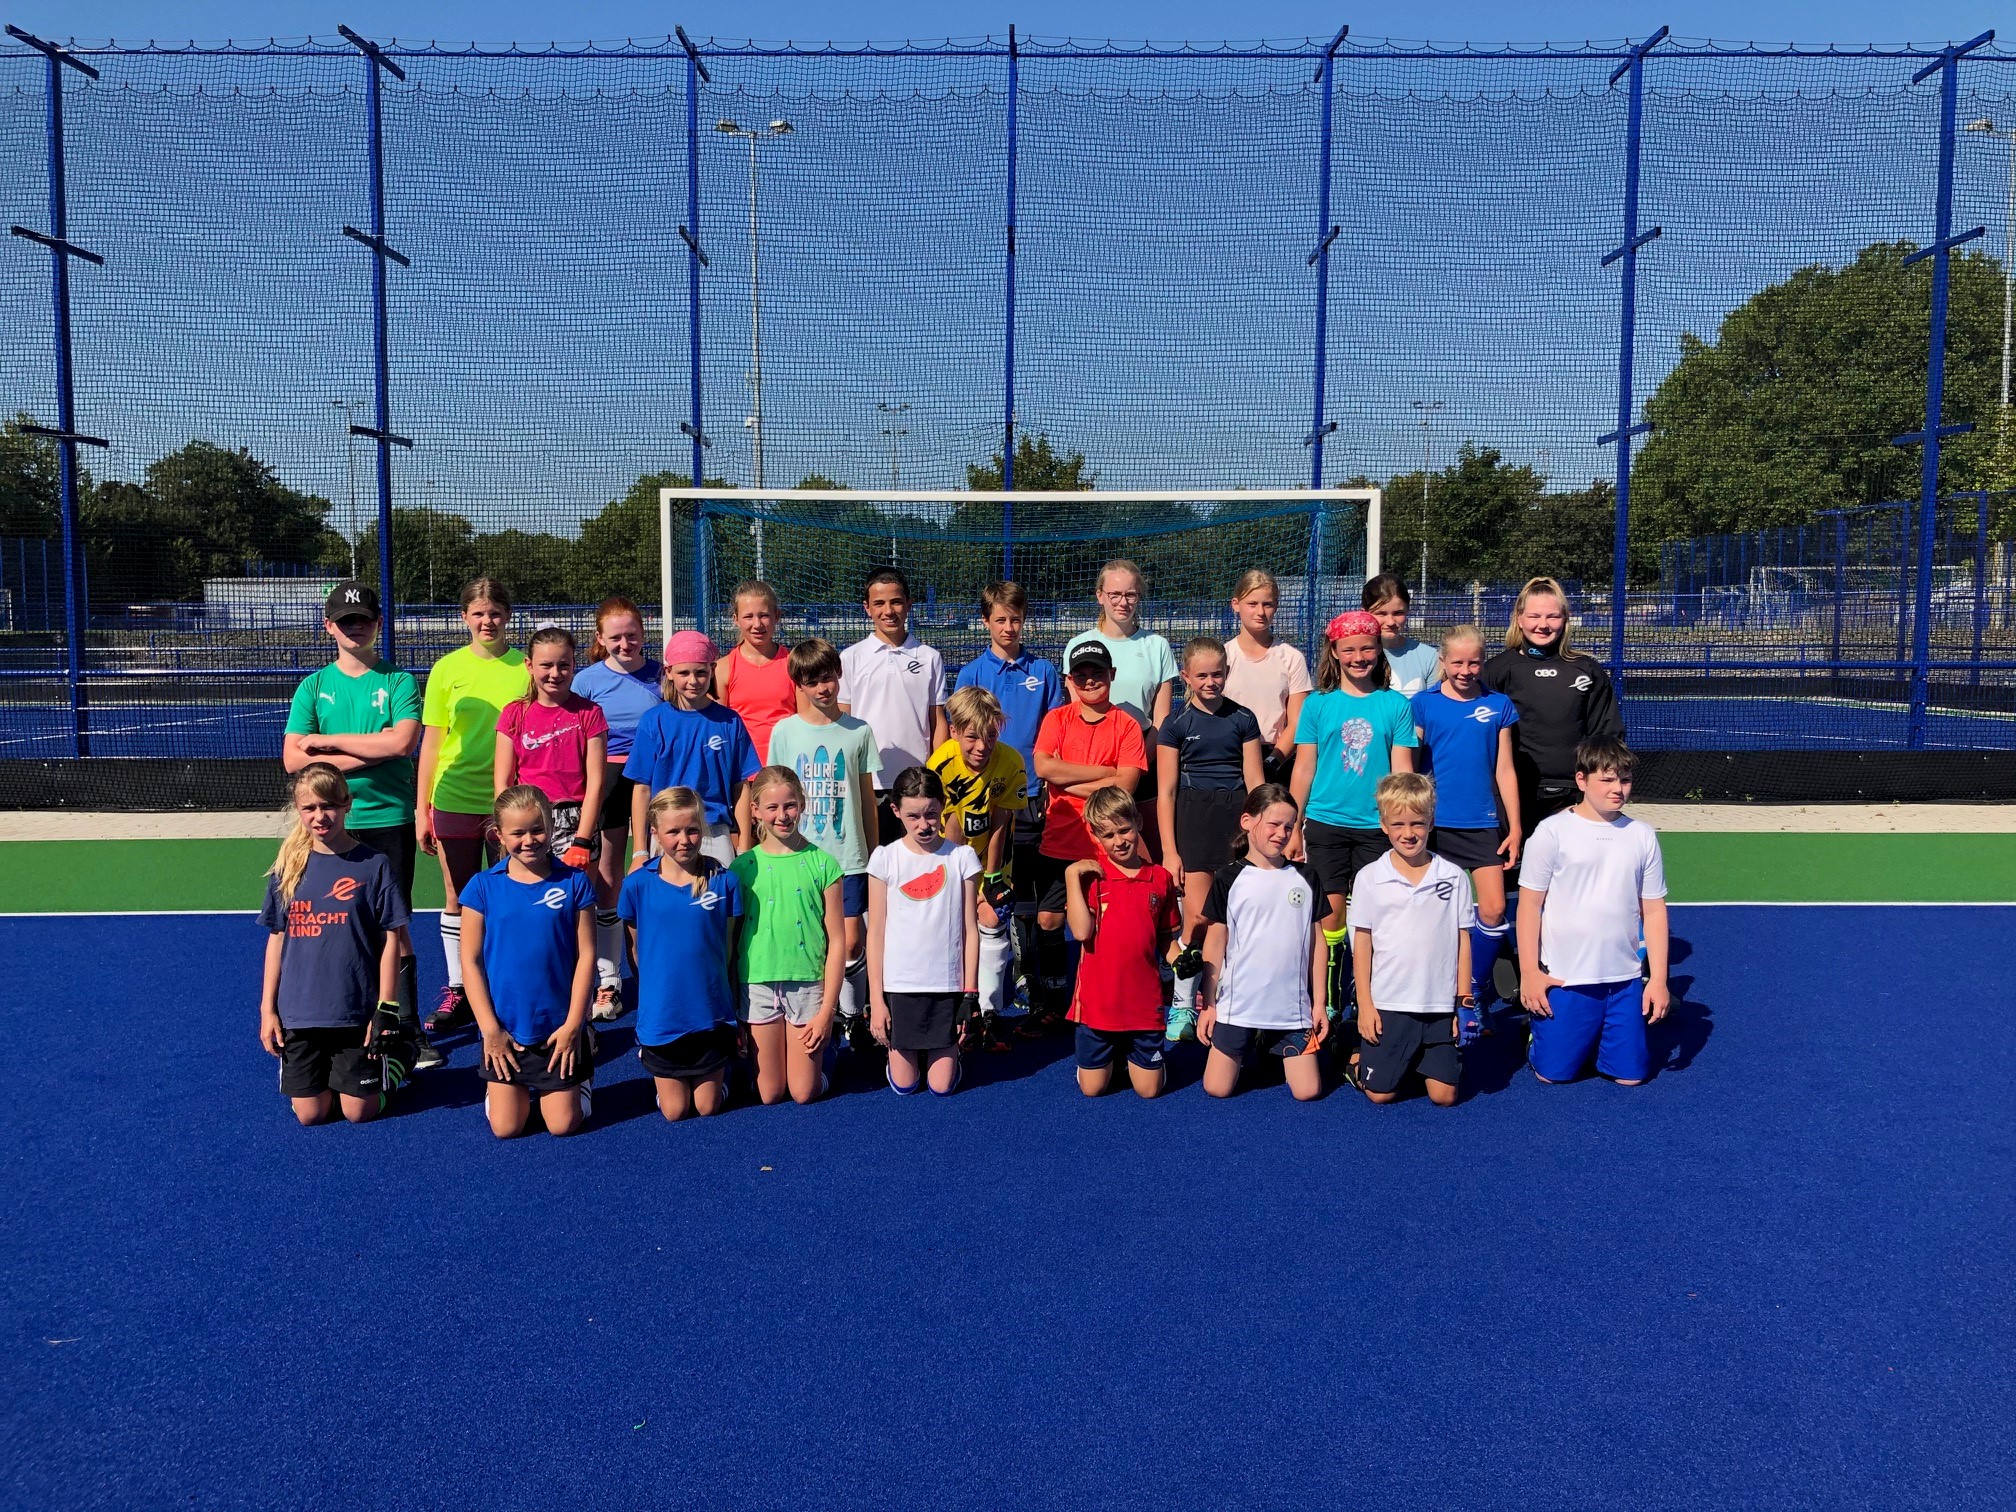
<point x="887" y="270"/>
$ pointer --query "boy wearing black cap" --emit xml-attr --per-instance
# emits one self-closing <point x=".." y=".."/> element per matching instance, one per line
<point x="1080" y="749"/>
<point x="362" y="717"/>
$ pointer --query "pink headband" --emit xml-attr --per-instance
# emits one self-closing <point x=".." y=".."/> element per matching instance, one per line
<point x="1353" y="622"/>
<point x="692" y="646"/>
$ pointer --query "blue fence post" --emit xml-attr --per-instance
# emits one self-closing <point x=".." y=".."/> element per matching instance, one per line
<point x="380" y="431"/>
<point x="1008" y="312"/>
<point x="1980" y="582"/>
<point x="696" y="259"/>
<point x="76" y="596"/>
<point x="1326" y="234"/>
<point x="703" y="605"/>
<point x="1941" y="252"/>
<point x="1840" y="583"/>
<point x="1627" y="335"/>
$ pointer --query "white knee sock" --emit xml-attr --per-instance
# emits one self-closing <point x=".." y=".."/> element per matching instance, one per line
<point x="995" y="955"/>
<point x="854" y="988"/>
<point x="1186" y="993"/>
<point x="451" y="946"/>
<point x="608" y="948"/>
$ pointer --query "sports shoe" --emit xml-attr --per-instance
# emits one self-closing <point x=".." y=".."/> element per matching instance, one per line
<point x="1505" y="981"/>
<point x="992" y="1038"/>
<point x="427" y="1055"/>
<point x="1182" y="1025"/>
<point x="608" y="1004"/>
<point x="452" y="1012"/>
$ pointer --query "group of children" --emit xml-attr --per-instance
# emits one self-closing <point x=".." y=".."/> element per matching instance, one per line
<point x="825" y="850"/>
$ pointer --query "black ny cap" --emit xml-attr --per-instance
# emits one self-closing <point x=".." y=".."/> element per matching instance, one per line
<point x="349" y="599"/>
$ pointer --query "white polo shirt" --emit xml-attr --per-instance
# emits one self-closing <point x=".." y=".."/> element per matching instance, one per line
<point x="1416" y="928"/>
<point x="1270" y="918"/>
<point x="1593" y="873"/>
<point x="893" y="689"/>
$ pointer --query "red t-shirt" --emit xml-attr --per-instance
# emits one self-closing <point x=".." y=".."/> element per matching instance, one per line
<point x="552" y="744"/>
<point x="1120" y="972"/>
<point x="1114" y="741"/>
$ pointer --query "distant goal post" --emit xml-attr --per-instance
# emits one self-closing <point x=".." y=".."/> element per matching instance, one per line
<point x="1196" y="541"/>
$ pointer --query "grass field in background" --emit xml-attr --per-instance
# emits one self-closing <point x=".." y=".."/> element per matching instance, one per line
<point x="139" y="876"/>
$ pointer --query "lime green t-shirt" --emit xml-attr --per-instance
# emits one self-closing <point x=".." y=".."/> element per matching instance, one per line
<point x="783" y="937"/>
<point x="465" y="694"/>
<point x="332" y="702"/>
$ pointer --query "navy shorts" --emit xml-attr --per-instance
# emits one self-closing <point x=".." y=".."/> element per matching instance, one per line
<point x="1606" y="1020"/>
<point x="924" y="1020"/>
<point x="854" y="896"/>
<point x="539" y="1078"/>
<point x="1471" y="849"/>
<point x="1338" y="853"/>
<point x="1242" y="1044"/>
<point x="314" y="1061"/>
<point x="1424" y="1042"/>
<point x="1097" y="1047"/>
<point x="697" y="1056"/>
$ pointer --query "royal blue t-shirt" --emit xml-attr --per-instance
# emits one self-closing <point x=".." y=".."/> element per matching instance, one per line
<point x="1026" y="688"/>
<point x="707" y="750"/>
<point x="1460" y="741"/>
<point x="335" y="927"/>
<point x="530" y="945"/>
<point x="1210" y="748"/>
<point x="683" y="982"/>
<point x="624" y="698"/>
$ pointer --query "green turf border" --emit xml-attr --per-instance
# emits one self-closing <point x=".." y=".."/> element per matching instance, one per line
<point x="144" y="876"/>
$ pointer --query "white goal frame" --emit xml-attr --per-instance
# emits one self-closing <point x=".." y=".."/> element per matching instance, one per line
<point x="1371" y="498"/>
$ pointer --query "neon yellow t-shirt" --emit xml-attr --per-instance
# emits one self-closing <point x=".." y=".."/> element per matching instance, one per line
<point x="972" y="799"/>
<point x="465" y="693"/>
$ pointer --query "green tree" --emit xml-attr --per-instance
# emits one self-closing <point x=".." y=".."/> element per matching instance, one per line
<point x="30" y="500"/>
<point x="434" y="553"/>
<point x="537" y="566"/>
<point x="618" y="548"/>
<point x="1038" y="469"/>
<point x="1793" y="404"/>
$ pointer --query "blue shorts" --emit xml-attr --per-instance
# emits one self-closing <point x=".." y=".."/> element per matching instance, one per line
<point x="1097" y="1047"/>
<point x="1606" y="1020"/>
<point x="854" y="896"/>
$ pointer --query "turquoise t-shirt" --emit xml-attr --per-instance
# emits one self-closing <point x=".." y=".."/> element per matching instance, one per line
<point x="1354" y="738"/>
<point x="1142" y="663"/>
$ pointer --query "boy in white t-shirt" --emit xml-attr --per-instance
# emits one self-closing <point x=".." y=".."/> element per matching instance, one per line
<point x="1410" y="917"/>
<point x="1589" y="880"/>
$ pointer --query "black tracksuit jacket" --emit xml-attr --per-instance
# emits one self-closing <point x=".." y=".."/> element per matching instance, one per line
<point x="1562" y="701"/>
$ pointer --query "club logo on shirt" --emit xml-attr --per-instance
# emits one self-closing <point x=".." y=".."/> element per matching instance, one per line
<point x="1481" y="714"/>
<point x="706" y="901"/>
<point x="1583" y="683"/>
<point x="344" y="890"/>
<point x="1546" y="671"/>
<point x="379" y="699"/>
<point x="716" y="743"/>
<point x="554" y="898"/>
<point x="914" y="666"/>
<point x="1444" y="889"/>
<point x="1031" y="684"/>
<point x="1297" y="897"/>
<point x="1357" y="738"/>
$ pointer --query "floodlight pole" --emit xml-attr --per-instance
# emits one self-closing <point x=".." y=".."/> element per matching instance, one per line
<point x="1425" y="408"/>
<point x="1008" y="319"/>
<point x="775" y="129"/>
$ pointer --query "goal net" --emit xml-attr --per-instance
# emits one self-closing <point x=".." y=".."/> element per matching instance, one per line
<point x="817" y="547"/>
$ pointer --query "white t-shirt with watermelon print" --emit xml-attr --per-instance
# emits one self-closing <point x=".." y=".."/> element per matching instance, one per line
<point x="924" y="934"/>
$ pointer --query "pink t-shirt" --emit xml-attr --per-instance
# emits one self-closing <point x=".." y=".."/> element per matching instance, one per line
<point x="1265" y="685"/>
<point x="552" y="744"/>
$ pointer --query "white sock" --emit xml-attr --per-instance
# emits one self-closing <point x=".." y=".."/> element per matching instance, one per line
<point x="451" y="946"/>
<point x="608" y="948"/>
<point x="995" y="955"/>
<point x="1186" y="993"/>
<point x="854" y="988"/>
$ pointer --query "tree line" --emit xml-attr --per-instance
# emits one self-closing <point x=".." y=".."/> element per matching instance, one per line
<point x="1789" y="407"/>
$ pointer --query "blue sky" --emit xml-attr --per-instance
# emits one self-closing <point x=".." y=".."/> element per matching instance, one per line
<point x="1165" y="308"/>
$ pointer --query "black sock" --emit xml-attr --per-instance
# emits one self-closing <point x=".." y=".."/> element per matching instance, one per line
<point x="1053" y="965"/>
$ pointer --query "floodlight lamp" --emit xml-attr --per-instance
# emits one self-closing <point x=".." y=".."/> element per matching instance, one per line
<point x="727" y="127"/>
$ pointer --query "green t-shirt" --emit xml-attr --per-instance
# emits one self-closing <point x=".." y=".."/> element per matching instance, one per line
<point x="783" y="937"/>
<point x="465" y="694"/>
<point x="827" y="759"/>
<point x="331" y="702"/>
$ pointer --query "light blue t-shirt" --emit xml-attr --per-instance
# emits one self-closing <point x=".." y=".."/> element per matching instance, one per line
<point x="1459" y="739"/>
<point x="1142" y="663"/>
<point x="531" y="945"/>
<point x="707" y="750"/>
<point x="683" y="985"/>
<point x="624" y="698"/>
<point x="828" y="758"/>
<point x="1414" y="666"/>
<point x="1354" y="738"/>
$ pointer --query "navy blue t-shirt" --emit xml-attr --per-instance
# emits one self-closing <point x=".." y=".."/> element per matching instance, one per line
<point x="683" y="980"/>
<point x="1210" y="747"/>
<point x="707" y="750"/>
<point x="530" y="945"/>
<point x="335" y="927"/>
<point x="1459" y="741"/>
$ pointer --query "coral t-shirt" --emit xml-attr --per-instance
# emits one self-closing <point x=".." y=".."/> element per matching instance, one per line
<point x="1107" y="742"/>
<point x="1120" y="972"/>
<point x="763" y="696"/>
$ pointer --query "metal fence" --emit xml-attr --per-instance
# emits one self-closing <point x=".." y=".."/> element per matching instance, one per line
<point x="417" y="311"/>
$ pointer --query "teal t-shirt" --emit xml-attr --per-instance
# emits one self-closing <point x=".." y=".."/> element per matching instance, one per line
<point x="1354" y="738"/>
<point x="783" y="936"/>
<point x="331" y="702"/>
<point x="1142" y="663"/>
<point x="827" y="758"/>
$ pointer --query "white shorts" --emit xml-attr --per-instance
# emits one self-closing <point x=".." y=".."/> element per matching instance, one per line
<point x="767" y="1002"/>
<point x="718" y="844"/>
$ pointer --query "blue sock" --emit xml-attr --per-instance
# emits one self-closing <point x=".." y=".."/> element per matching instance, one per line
<point x="1487" y="943"/>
